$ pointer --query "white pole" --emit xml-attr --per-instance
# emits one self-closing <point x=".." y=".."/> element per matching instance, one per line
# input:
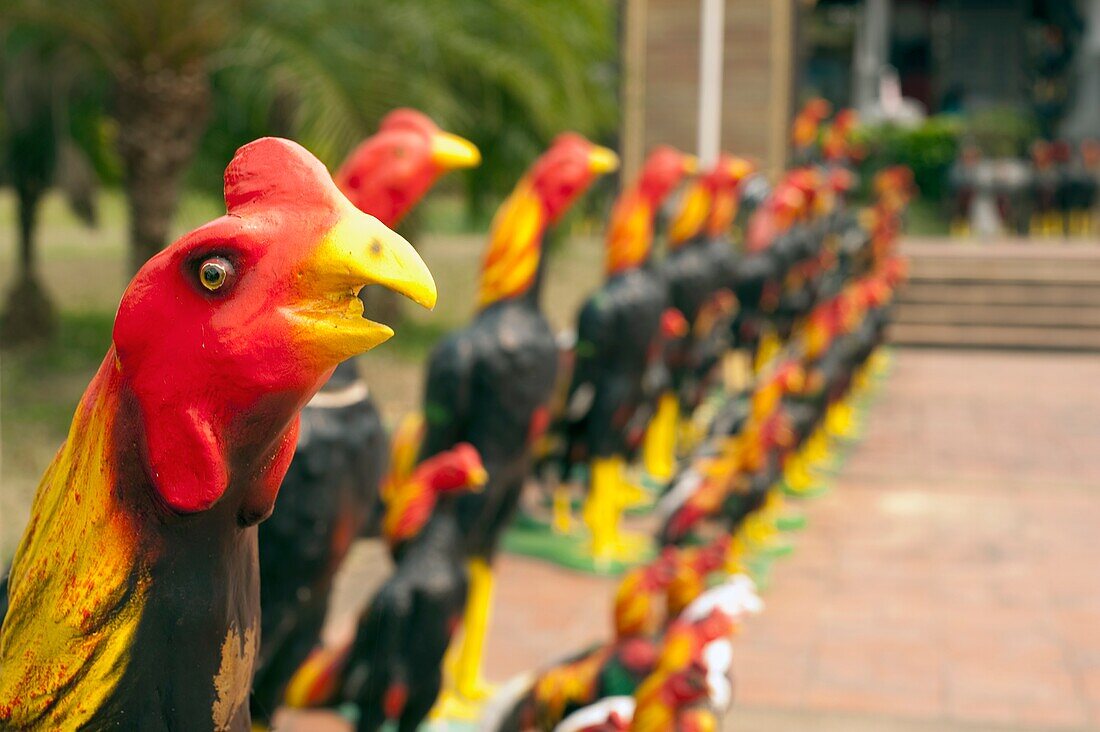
<point x="711" y="51"/>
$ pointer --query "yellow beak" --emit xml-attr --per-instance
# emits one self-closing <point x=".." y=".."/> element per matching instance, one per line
<point x="602" y="161"/>
<point x="360" y="250"/>
<point x="451" y="152"/>
<point x="740" y="168"/>
<point x="478" y="478"/>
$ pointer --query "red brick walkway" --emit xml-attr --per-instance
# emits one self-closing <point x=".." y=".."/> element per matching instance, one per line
<point x="949" y="582"/>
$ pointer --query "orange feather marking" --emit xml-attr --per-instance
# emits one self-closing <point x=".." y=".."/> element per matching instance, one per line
<point x="515" y="246"/>
<point x="78" y="585"/>
<point x="630" y="234"/>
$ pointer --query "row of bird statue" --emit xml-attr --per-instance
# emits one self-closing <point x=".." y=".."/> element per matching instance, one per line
<point x="725" y="368"/>
<point x="1055" y="194"/>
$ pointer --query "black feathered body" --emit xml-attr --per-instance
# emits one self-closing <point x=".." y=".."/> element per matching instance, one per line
<point x="617" y="331"/>
<point x="401" y="640"/>
<point x="329" y="495"/>
<point x="489" y="384"/>
<point x="689" y="275"/>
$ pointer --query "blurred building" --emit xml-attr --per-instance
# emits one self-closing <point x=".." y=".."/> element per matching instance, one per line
<point x="1035" y="56"/>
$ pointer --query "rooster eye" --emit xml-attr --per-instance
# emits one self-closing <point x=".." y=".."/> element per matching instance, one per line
<point x="214" y="272"/>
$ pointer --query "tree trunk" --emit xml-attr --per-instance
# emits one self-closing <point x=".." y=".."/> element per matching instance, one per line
<point x="29" y="315"/>
<point x="161" y="115"/>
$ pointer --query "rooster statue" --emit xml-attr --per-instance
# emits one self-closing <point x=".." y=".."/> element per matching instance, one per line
<point x="134" y="595"/>
<point x="330" y="492"/>
<point x="392" y="667"/>
<point x="697" y="266"/>
<point x="618" y="342"/>
<point x="540" y="701"/>
<point x="543" y="700"/>
<point x="489" y="383"/>
<point x="687" y="690"/>
<point x="807" y="128"/>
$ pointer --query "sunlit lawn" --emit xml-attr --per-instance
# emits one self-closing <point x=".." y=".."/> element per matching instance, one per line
<point x="85" y="271"/>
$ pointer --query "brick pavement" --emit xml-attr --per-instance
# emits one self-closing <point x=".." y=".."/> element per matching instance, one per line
<point x="946" y="583"/>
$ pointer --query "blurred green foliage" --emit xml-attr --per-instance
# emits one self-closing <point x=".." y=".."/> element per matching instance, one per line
<point x="507" y="74"/>
<point x="930" y="148"/>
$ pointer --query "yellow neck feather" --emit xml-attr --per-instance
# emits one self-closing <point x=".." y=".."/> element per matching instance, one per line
<point x="630" y="234"/>
<point x="515" y="245"/>
<point x="76" y="591"/>
<point x="692" y="215"/>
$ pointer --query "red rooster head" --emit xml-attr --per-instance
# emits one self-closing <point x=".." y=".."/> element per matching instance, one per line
<point x="808" y="120"/>
<point x="230" y="330"/>
<point x="693" y="568"/>
<point x="542" y="196"/>
<point x="635" y="611"/>
<point x="680" y="681"/>
<point x="725" y="179"/>
<point x="630" y="232"/>
<point x="664" y="169"/>
<point x="566" y="170"/>
<point x="409" y="505"/>
<point x="457" y="469"/>
<point x="392" y="169"/>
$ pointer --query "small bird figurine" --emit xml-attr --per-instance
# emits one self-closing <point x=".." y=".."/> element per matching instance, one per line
<point x="392" y="668"/>
<point x="693" y="276"/>
<point x="618" y="336"/>
<point x="679" y="695"/>
<point x="542" y="700"/>
<point x="134" y="595"/>
<point x="490" y="383"/>
<point x="806" y="128"/>
<point x="330" y="493"/>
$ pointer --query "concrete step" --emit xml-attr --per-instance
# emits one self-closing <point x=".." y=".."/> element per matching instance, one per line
<point x="1000" y="293"/>
<point x="999" y="314"/>
<point x="1007" y="294"/>
<point x="992" y="336"/>
<point x="1070" y="271"/>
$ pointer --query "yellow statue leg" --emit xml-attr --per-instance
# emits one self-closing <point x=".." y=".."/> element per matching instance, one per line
<point x="659" y="447"/>
<point x="840" y="421"/>
<point x="465" y="690"/>
<point x="469" y="681"/>
<point x="600" y="511"/>
<point x="766" y="351"/>
<point x="818" y="454"/>
<point x="759" y="529"/>
<point x="735" y="555"/>
<point x="603" y="511"/>
<point x="796" y="474"/>
<point x="631" y="495"/>
<point x="562" y="517"/>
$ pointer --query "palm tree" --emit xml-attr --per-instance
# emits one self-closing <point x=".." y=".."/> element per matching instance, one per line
<point x="506" y="73"/>
<point x="35" y="154"/>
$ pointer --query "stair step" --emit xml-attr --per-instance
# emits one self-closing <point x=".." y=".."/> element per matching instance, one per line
<point x="988" y="336"/>
<point x="1083" y="271"/>
<point x="1051" y="316"/>
<point x="1000" y="293"/>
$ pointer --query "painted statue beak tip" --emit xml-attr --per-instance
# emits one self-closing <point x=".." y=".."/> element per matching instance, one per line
<point x="602" y="160"/>
<point x="451" y="152"/>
